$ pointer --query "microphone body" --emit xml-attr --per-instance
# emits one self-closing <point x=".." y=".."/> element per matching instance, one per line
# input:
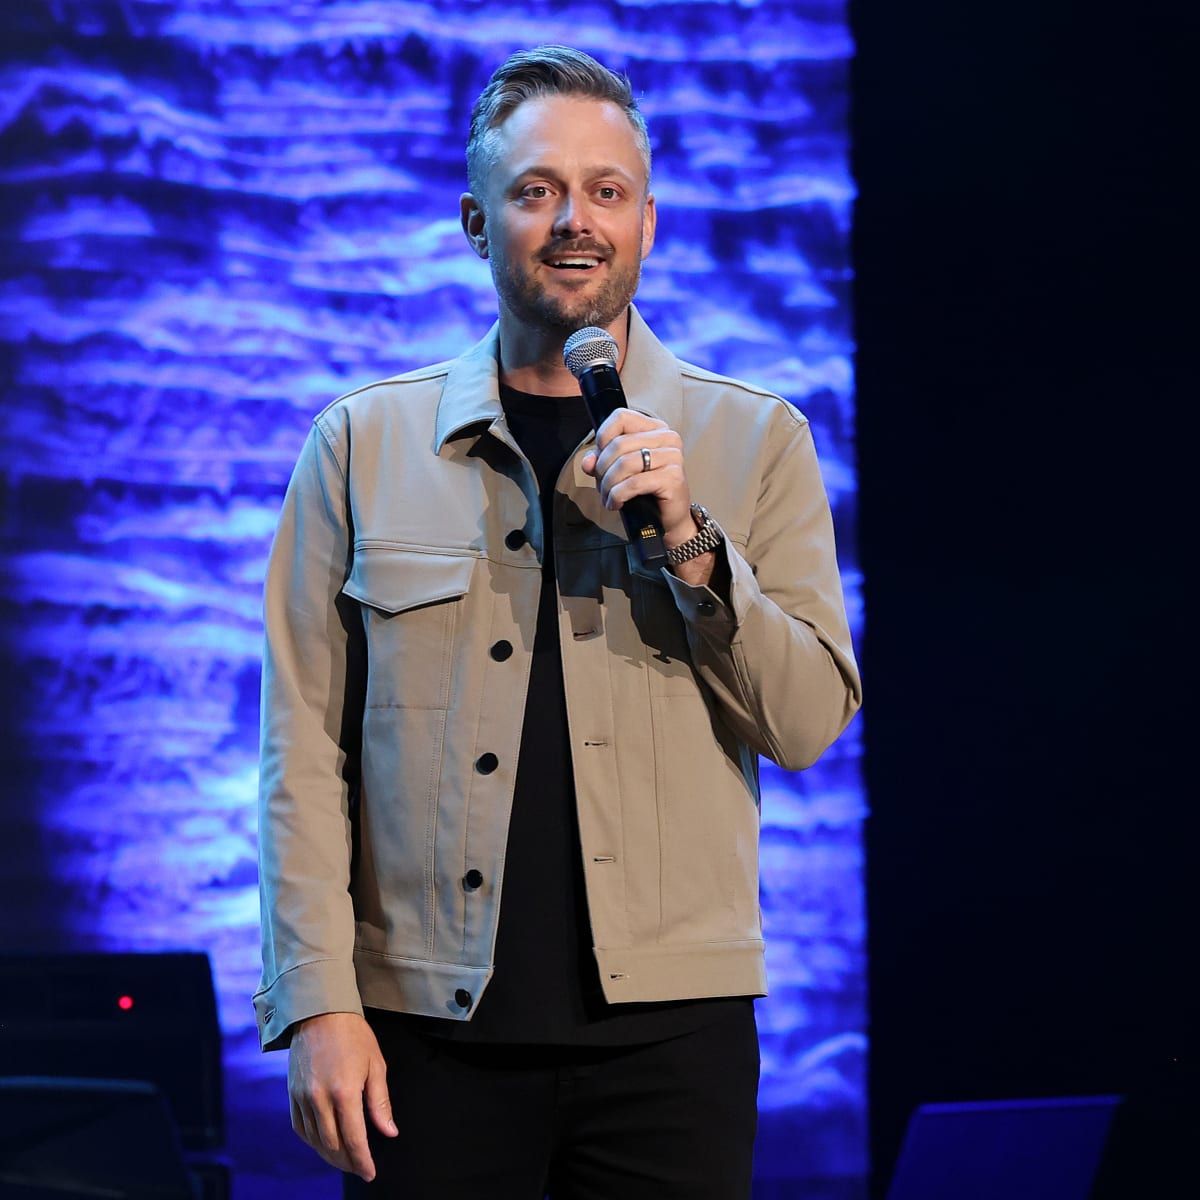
<point x="603" y="394"/>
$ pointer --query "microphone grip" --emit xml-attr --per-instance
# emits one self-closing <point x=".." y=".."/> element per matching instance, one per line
<point x="602" y="393"/>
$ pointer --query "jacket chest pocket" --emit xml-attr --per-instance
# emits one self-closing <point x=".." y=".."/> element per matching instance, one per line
<point x="411" y="606"/>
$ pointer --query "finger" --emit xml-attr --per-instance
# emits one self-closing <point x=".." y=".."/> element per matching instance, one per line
<point x="312" y="1135"/>
<point x="353" y="1128"/>
<point x="630" y="446"/>
<point x="644" y="484"/>
<point x="326" y="1127"/>
<point x="308" y="1125"/>
<point x="625" y="420"/>
<point x="633" y="462"/>
<point x="634" y="443"/>
<point x="666" y="466"/>
<point x="379" y="1103"/>
<point x="588" y="462"/>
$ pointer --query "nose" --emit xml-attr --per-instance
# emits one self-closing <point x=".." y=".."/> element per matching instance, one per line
<point x="571" y="219"/>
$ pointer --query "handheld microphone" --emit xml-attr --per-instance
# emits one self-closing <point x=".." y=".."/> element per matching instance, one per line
<point x="591" y="356"/>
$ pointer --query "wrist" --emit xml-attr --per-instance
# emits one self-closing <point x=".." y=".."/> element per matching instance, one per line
<point x="698" y="571"/>
<point x="318" y="1020"/>
<point x="700" y="541"/>
<point x="680" y="532"/>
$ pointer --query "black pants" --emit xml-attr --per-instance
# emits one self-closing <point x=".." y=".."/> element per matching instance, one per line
<point x="673" y="1120"/>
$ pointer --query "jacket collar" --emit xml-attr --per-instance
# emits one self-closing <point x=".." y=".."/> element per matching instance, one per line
<point x="471" y="394"/>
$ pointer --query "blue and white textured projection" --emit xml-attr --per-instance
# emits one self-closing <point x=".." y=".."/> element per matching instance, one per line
<point x="223" y="215"/>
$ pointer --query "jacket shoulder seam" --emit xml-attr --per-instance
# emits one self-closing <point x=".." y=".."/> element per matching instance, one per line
<point x="421" y="375"/>
<point x="701" y="375"/>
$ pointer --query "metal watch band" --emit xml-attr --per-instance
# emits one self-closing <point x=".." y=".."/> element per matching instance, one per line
<point x="708" y="537"/>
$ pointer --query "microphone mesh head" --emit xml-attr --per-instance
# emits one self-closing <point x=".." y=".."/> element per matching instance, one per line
<point x="589" y="347"/>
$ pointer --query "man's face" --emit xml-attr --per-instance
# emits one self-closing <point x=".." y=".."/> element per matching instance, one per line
<point x="566" y="218"/>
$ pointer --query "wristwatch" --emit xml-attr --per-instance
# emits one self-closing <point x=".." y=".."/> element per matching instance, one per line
<point x="708" y="537"/>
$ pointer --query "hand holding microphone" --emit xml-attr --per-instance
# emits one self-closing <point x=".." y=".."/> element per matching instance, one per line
<point x="638" y="460"/>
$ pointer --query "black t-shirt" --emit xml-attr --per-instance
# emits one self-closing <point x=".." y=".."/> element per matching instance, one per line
<point x="546" y="986"/>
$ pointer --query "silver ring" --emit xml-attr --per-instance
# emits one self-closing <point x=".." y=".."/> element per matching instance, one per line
<point x="645" y="460"/>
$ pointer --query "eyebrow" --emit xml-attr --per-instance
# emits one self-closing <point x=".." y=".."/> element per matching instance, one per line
<point x="547" y="172"/>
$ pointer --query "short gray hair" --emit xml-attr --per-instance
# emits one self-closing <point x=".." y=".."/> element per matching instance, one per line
<point x="544" y="71"/>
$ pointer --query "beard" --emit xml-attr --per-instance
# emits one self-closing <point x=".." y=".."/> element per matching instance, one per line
<point x="531" y="304"/>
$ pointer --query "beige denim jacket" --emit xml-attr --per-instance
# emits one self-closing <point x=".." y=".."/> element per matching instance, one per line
<point x="401" y="598"/>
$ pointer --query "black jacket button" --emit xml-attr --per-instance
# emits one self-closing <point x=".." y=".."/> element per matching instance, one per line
<point x="515" y="539"/>
<point x="462" y="998"/>
<point x="485" y="764"/>
<point x="502" y="650"/>
<point x="707" y="607"/>
<point x="473" y="879"/>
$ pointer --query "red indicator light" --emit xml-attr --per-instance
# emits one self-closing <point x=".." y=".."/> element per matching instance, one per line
<point x="124" y="1003"/>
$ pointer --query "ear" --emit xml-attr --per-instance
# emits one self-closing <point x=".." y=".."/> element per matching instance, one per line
<point x="649" y="224"/>
<point x="473" y="221"/>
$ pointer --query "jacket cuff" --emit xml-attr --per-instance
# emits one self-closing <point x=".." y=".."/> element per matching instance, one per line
<point x="705" y="607"/>
<point x="305" y="990"/>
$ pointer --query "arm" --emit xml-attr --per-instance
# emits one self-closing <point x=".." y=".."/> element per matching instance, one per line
<point x="312" y="696"/>
<point x="773" y="644"/>
<point x="308" y="761"/>
<point x="767" y="631"/>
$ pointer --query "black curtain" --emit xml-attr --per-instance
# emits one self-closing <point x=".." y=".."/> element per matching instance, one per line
<point x="1025" y="388"/>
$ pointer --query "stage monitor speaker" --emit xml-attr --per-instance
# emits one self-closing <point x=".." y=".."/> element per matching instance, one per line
<point x="1005" y="1150"/>
<point x="149" y="1017"/>
<point x="78" y="1139"/>
<point x="1137" y="1147"/>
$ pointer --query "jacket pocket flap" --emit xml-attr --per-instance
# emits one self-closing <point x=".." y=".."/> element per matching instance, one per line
<point x="395" y="579"/>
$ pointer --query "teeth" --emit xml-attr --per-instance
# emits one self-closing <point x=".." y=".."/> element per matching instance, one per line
<point x="574" y="262"/>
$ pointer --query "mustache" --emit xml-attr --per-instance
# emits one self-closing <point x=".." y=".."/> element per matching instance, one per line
<point x="561" y="249"/>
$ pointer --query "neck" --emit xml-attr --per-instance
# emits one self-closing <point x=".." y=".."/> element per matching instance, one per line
<point x="531" y="359"/>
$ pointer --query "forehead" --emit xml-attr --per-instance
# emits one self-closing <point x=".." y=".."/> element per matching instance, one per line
<point x="567" y="132"/>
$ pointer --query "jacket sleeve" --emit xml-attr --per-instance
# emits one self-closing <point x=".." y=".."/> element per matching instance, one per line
<point x="312" y="695"/>
<point x="777" y="657"/>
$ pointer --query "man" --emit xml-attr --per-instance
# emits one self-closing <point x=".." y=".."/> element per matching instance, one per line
<point x="509" y="775"/>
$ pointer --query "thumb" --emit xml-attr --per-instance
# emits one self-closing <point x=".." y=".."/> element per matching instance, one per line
<point x="588" y="462"/>
<point x="379" y="1105"/>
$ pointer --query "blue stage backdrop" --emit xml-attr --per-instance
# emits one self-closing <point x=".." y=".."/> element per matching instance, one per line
<point x="221" y="216"/>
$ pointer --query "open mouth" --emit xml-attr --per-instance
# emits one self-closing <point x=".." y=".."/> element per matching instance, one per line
<point x="574" y="262"/>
